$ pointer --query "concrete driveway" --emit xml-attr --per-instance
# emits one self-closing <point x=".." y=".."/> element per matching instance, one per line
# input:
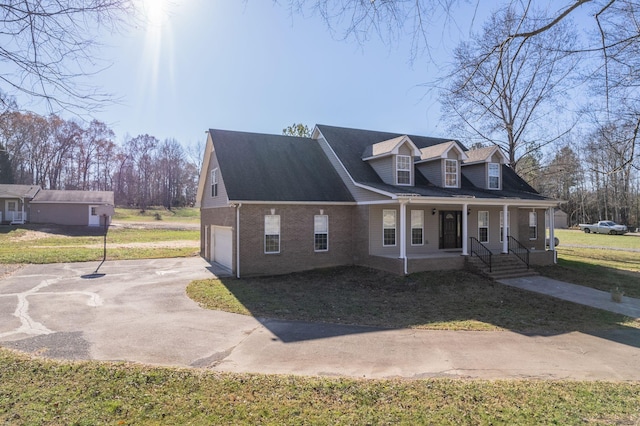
<point x="139" y="312"/>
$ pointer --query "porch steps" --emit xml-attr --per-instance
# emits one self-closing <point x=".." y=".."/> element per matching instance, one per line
<point x="502" y="266"/>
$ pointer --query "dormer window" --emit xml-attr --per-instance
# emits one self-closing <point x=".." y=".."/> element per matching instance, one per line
<point x="403" y="170"/>
<point x="494" y="176"/>
<point x="451" y="173"/>
<point x="392" y="160"/>
<point x="483" y="167"/>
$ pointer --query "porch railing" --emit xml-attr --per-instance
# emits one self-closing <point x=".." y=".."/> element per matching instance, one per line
<point x="15" y="217"/>
<point x="480" y="250"/>
<point x="517" y="248"/>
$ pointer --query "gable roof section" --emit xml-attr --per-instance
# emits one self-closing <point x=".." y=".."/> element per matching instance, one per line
<point x="441" y="150"/>
<point x="483" y="155"/>
<point x="389" y="147"/>
<point x="18" y="191"/>
<point x="261" y="167"/>
<point x="52" y="196"/>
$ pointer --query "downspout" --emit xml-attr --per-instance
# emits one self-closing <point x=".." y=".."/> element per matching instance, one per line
<point x="238" y="240"/>
<point x="552" y="237"/>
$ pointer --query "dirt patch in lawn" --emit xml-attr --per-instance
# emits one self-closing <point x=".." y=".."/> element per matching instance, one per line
<point x="33" y="235"/>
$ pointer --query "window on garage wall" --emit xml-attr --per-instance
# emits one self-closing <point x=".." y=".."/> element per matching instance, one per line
<point x="321" y="232"/>
<point x="272" y="233"/>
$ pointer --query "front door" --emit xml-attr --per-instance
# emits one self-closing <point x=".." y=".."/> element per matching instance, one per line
<point x="94" y="218"/>
<point x="450" y="229"/>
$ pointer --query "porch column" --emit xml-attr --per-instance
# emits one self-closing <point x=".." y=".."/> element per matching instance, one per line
<point x="403" y="230"/>
<point x="505" y="239"/>
<point x="552" y="225"/>
<point x="465" y="230"/>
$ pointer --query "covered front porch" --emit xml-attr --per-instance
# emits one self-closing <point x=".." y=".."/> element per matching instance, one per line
<point x="417" y="234"/>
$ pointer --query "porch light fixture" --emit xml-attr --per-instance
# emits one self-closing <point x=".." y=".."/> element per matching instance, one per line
<point x="433" y="211"/>
<point x="468" y="211"/>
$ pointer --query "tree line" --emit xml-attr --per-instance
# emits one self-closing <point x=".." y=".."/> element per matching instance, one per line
<point x="55" y="153"/>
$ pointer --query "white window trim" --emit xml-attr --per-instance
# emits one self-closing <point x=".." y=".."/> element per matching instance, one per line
<point x="482" y="227"/>
<point x="489" y="176"/>
<point x="502" y="225"/>
<point x="315" y="232"/>
<point x="446" y="160"/>
<point x="395" y="227"/>
<point x="265" y="234"/>
<point x="535" y="225"/>
<point x="408" y="169"/>
<point x="214" y="183"/>
<point x="417" y="227"/>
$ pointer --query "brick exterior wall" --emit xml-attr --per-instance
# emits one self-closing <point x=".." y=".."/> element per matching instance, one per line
<point x="349" y="240"/>
<point x="296" y="239"/>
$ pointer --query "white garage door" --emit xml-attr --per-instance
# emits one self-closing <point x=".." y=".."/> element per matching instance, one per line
<point x="222" y="246"/>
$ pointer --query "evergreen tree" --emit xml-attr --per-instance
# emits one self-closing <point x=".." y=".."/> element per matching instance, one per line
<point x="6" y="176"/>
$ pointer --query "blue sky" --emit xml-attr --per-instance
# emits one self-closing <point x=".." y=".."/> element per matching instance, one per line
<point x="252" y="66"/>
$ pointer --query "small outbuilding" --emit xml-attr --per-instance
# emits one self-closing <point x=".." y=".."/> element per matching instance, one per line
<point x="89" y="208"/>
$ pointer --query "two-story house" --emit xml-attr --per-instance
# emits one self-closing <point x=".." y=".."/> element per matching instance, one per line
<point x="275" y="204"/>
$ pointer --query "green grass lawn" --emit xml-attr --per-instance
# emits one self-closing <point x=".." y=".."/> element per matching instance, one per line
<point x="452" y="300"/>
<point x="46" y="392"/>
<point x="43" y="392"/>
<point x="150" y="214"/>
<point x="42" y="244"/>
<point x="579" y="238"/>
<point x="599" y="261"/>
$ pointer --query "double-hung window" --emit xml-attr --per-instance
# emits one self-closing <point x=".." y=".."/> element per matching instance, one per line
<point x="403" y="170"/>
<point x="388" y="228"/>
<point x="321" y="232"/>
<point x="417" y="227"/>
<point x="451" y="173"/>
<point x="272" y="233"/>
<point x="533" y="225"/>
<point x="494" y="176"/>
<point x="214" y="182"/>
<point x="483" y="226"/>
<point x="502" y="225"/>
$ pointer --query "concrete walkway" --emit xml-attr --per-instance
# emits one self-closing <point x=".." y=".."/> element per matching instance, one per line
<point x="577" y="294"/>
<point x="139" y="312"/>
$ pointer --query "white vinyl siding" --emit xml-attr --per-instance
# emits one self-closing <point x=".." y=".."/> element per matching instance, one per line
<point x="417" y="227"/>
<point x="214" y="182"/>
<point x="321" y="233"/>
<point x="494" y="176"/>
<point x="483" y="226"/>
<point x="388" y="228"/>
<point x="403" y="170"/>
<point x="451" y="173"/>
<point x="272" y="233"/>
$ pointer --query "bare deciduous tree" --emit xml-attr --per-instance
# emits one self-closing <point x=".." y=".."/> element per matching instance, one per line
<point x="48" y="47"/>
<point x="508" y="95"/>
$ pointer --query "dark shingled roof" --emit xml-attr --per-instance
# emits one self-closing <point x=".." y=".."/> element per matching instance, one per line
<point x="348" y="144"/>
<point x="74" y="197"/>
<point x="261" y="167"/>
